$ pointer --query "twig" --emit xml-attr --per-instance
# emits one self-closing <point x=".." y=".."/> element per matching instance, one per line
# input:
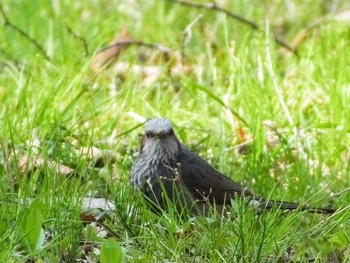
<point x="24" y="34"/>
<point x="159" y="47"/>
<point x="187" y="36"/>
<point x="81" y="39"/>
<point x="341" y="192"/>
<point x="214" y="7"/>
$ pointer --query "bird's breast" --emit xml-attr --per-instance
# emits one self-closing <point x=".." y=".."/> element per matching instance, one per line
<point x="149" y="170"/>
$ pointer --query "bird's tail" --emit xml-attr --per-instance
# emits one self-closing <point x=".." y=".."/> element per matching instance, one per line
<point x="270" y="204"/>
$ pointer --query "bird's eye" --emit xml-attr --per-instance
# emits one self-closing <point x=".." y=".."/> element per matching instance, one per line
<point x="148" y="134"/>
<point x="171" y="132"/>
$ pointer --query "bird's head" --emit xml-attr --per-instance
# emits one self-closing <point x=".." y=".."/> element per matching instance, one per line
<point x="159" y="140"/>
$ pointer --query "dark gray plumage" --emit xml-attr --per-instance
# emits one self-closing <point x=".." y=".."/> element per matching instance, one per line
<point x="165" y="167"/>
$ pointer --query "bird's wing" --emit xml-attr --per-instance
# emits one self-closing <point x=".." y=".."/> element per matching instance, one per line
<point x="206" y="183"/>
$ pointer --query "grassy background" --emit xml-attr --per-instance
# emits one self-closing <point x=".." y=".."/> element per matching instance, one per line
<point x="52" y="108"/>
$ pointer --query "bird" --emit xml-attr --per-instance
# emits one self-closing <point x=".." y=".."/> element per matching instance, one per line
<point x="169" y="174"/>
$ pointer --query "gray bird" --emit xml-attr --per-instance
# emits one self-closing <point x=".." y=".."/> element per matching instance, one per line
<point x="169" y="173"/>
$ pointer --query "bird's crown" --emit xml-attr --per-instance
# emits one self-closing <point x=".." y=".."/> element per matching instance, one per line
<point x="159" y="125"/>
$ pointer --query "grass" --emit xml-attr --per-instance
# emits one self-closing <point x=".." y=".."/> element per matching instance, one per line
<point x="54" y="110"/>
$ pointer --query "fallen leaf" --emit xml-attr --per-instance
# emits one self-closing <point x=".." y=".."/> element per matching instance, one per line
<point x="304" y="33"/>
<point x="28" y="164"/>
<point x="111" y="53"/>
<point x="343" y="16"/>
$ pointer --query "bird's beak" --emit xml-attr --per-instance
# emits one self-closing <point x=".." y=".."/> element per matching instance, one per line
<point x="161" y="134"/>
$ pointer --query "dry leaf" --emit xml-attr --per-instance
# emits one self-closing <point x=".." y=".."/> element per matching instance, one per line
<point x="343" y="16"/>
<point x="110" y="53"/>
<point x="100" y="158"/>
<point x="91" y="152"/>
<point x="28" y="164"/>
<point x="97" y="203"/>
<point x="304" y="33"/>
<point x="148" y="74"/>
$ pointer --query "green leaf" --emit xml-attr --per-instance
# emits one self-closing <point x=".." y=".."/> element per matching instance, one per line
<point x="34" y="234"/>
<point x="37" y="203"/>
<point x="111" y="252"/>
<point x="29" y="222"/>
<point x="22" y="220"/>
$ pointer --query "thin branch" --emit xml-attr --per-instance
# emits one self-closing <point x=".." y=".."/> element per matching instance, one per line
<point x="187" y="36"/>
<point x="214" y="7"/>
<point x="24" y="34"/>
<point x="159" y="47"/>
<point x="81" y="39"/>
<point x="341" y="192"/>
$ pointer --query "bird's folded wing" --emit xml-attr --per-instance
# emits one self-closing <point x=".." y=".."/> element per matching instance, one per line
<point x="204" y="182"/>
